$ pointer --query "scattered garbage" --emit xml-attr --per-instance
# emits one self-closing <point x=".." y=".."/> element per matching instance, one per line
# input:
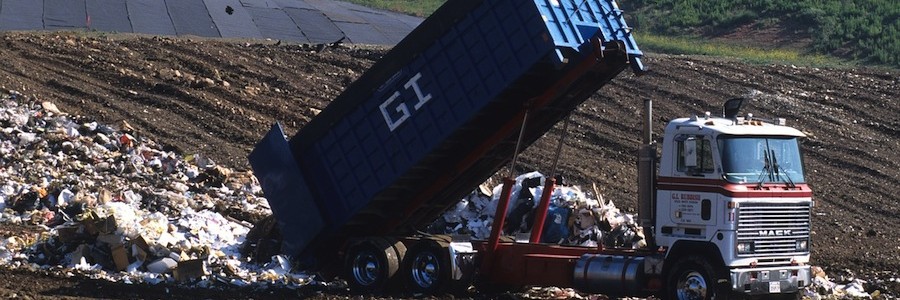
<point x="824" y="287"/>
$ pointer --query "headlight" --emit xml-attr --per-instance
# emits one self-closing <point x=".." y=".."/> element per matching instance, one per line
<point x="802" y="245"/>
<point x="745" y="247"/>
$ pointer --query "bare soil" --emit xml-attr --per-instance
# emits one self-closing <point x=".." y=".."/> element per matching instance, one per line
<point x="219" y="97"/>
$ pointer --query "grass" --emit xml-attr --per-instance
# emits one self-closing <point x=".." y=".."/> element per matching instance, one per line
<point x="866" y="31"/>
<point x="655" y="42"/>
<point x="419" y="8"/>
<point x="692" y="46"/>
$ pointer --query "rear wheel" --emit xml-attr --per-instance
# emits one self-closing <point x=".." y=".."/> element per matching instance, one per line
<point x="428" y="269"/>
<point x="693" y="278"/>
<point x="372" y="264"/>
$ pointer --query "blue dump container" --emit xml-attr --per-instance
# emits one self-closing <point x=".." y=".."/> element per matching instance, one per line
<point x="437" y="115"/>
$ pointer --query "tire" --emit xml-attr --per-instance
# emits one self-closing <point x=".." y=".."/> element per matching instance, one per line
<point x="427" y="269"/>
<point x="372" y="265"/>
<point x="694" y="278"/>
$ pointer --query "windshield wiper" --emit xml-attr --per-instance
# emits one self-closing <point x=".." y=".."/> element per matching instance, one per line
<point x="778" y="173"/>
<point x="766" y="172"/>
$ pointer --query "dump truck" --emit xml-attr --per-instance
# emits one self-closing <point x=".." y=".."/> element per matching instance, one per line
<point x="725" y="208"/>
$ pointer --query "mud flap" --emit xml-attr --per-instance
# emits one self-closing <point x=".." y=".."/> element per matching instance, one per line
<point x="287" y="191"/>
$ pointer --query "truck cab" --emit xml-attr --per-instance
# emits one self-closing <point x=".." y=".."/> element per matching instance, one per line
<point x="732" y="193"/>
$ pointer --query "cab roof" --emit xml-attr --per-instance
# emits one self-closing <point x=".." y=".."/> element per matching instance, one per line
<point x="739" y="126"/>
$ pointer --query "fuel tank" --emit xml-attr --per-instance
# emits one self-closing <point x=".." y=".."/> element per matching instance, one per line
<point x="609" y="274"/>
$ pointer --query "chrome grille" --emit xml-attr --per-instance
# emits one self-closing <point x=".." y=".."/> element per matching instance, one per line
<point x="774" y="228"/>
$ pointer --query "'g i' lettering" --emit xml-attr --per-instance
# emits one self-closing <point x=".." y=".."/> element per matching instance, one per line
<point x="401" y="110"/>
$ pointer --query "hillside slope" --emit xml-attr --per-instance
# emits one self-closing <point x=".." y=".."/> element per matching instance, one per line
<point x="218" y="98"/>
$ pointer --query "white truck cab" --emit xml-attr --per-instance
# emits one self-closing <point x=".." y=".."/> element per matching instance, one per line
<point x="733" y="191"/>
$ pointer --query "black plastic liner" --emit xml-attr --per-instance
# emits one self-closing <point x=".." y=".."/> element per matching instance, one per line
<point x="150" y="17"/>
<point x="314" y="24"/>
<point x="192" y="18"/>
<point x="21" y="15"/>
<point x="64" y="14"/>
<point x="276" y="24"/>
<point x="108" y="15"/>
<point x="232" y="19"/>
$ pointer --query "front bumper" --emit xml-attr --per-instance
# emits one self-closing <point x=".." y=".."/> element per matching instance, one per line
<point x="770" y="280"/>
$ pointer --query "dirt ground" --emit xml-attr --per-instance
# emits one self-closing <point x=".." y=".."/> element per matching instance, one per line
<point x="219" y="97"/>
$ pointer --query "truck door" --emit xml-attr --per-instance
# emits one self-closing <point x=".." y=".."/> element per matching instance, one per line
<point x="688" y="197"/>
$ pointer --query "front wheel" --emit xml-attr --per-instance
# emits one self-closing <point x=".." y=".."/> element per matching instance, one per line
<point x="693" y="278"/>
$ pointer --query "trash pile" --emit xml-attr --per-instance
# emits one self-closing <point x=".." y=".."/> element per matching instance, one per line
<point x="572" y="218"/>
<point x="117" y="206"/>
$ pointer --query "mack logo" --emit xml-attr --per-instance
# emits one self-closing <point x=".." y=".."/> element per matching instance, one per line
<point x="779" y="232"/>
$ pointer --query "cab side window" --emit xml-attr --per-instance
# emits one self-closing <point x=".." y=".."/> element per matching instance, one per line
<point x="694" y="155"/>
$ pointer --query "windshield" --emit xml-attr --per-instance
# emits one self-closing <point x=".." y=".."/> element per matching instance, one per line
<point x="761" y="159"/>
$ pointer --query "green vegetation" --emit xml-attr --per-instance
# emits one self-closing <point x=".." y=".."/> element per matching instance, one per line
<point x="682" y="45"/>
<point x="421" y="8"/>
<point x="865" y="30"/>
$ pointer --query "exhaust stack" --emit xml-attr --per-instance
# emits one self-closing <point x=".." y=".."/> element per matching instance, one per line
<point x="647" y="176"/>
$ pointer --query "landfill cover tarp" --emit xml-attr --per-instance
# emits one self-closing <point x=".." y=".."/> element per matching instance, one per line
<point x="390" y="26"/>
<point x="314" y="24"/>
<point x="260" y="3"/>
<point x="337" y="11"/>
<point x="410" y="21"/>
<point x="108" y="15"/>
<point x="191" y="17"/>
<point x="21" y="15"/>
<point x="276" y="24"/>
<point x="150" y="17"/>
<point x="353" y="20"/>
<point x="232" y="19"/>
<point x="294" y="4"/>
<point x="361" y="33"/>
<point x="64" y="14"/>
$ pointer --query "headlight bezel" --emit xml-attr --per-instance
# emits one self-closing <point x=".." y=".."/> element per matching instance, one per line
<point x="747" y="247"/>
<point x="802" y="245"/>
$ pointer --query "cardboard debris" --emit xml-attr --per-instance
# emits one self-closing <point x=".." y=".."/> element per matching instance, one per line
<point x="190" y="269"/>
<point x="119" y="256"/>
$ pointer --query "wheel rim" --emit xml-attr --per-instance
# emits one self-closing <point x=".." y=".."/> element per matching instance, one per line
<point x="425" y="269"/>
<point x="691" y="286"/>
<point x="365" y="268"/>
